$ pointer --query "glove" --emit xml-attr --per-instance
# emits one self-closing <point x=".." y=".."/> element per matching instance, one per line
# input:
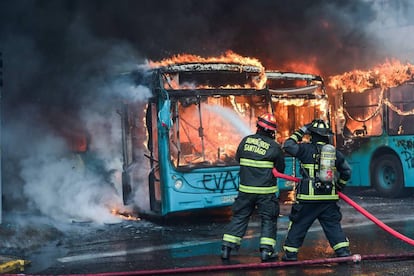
<point x="340" y="186"/>
<point x="305" y="128"/>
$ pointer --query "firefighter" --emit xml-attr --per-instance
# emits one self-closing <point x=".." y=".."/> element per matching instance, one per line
<point x="257" y="154"/>
<point x="316" y="199"/>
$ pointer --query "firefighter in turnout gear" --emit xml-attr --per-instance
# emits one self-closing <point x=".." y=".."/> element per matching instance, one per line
<point x="317" y="192"/>
<point x="257" y="154"/>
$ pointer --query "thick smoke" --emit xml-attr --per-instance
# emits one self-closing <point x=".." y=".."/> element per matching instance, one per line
<point x="60" y="58"/>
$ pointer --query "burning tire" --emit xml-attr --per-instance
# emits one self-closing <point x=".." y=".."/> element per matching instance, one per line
<point x="387" y="176"/>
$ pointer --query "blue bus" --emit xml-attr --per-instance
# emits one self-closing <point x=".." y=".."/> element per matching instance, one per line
<point x="183" y="159"/>
<point x="375" y="129"/>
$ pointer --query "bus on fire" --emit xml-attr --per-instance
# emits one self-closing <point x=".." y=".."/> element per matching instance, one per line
<point x="184" y="158"/>
<point x="375" y="127"/>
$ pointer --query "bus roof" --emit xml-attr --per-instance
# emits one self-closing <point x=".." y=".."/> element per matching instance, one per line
<point x="198" y="67"/>
<point x="292" y="76"/>
<point x="293" y="84"/>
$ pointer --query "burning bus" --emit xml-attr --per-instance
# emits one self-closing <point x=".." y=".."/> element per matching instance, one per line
<point x="200" y="109"/>
<point x="375" y="126"/>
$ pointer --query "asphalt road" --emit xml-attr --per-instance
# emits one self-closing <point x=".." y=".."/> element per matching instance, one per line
<point x="171" y="247"/>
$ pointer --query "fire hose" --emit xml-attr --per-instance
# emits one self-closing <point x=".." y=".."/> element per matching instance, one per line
<point x="357" y="207"/>
<point x="255" y="266"/>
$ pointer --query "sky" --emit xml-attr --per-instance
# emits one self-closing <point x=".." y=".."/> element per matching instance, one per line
<point x="59" y="57"/>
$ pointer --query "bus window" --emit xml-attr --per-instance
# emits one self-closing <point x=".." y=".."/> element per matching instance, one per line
<point x="400" y="108"/>
<point x="363" y="113"/>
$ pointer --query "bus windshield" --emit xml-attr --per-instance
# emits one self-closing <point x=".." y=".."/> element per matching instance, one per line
<point x="207" y="130"/>
<point x="213" y="107"/>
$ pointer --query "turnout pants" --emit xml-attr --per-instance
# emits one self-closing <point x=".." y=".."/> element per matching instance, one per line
<point x="302" y="217"/>
<point x="243" y="207"/>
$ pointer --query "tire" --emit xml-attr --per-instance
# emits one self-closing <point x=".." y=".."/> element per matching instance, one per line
<point x="387" y="176"/>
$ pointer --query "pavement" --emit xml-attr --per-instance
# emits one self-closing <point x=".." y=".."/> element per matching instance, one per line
<point x="33" y="244"/>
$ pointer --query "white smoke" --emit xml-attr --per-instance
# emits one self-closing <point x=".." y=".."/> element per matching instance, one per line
<point x="42" y="172"/>
<point x="78" y="186"/>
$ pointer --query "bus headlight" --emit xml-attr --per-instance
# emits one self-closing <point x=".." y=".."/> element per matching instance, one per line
<point x="178" y="184"/>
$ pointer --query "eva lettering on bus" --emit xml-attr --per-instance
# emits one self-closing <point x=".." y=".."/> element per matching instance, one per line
<point x="220" y="181"/>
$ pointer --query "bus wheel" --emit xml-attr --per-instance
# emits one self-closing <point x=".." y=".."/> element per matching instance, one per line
<point x="387" y="176"/>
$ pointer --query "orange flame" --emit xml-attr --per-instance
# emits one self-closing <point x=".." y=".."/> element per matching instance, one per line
<point x="228" y="57"/>
<point x="388" y="74"/>
<point x="124" y="215"/>
<point x="309" y="66"/>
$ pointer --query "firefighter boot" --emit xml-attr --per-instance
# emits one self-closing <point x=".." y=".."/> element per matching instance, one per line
<point x="225" y="252"/>
<point x="268" y="254"/>
<point x="343" y="252"/>
<point x="290" y="256"/>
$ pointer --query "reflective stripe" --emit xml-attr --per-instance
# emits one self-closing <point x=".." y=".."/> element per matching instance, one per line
<point x="257" y="164"/>
<point x="296" y="136"/>
<point x="311" y="168"/>
<point x="341" y="181"/>
<point x="317" y="197"/>
<point x="340" y="245"/>
<point x="311" y="191"/>
<point x="267" y="241"/>
<point x="232" y="239"/>
<point x="258" y="190"/>
<point x="290" y="249"/>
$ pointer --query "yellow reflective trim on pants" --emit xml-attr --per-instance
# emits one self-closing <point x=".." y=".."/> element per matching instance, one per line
<point x="255" y="163"/>
<point x="341" y="245"/>
<point x="317" y="197"/>
<point x="258" y="190"/>
<point x="290" y="249"/>
<point x="232" y="239"/>
<point x="268" y="241"/>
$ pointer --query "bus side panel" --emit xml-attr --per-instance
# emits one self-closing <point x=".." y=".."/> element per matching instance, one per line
<point x="199" y="189"/>
<point x="205" y="188"/>
<point x="360" y="160"/>
<point x="357" y="179"/>
<point x="404" y="148"/>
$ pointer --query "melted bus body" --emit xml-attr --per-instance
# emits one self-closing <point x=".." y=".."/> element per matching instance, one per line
<point x="184" y="157"/>
<point x="375" y="129"/>
<point x="296" y="99"/>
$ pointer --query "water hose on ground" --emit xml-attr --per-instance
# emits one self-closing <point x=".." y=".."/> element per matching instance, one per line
<point x="357" y="207"/>
<point x="256" y="266"/>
